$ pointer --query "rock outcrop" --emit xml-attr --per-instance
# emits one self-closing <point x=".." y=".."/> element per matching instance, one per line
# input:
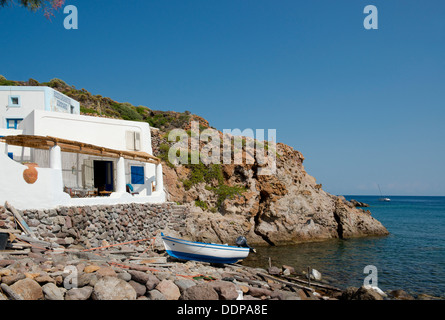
<point x="284" y="208"/>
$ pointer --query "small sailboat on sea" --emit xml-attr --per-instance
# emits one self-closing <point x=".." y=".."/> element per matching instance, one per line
<point x="382" y="198"/>
<point x="206" y="252"/>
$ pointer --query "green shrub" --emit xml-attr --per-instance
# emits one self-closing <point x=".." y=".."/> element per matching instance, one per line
<point x="159" y="120"/>
<point x="227" y="192"/>
<point x="87" y="110"/>
<point x="163" y="154"/>
<point x="8" y="83"/>
<point x="112" y="113"/>
<point x="202" y="204"/>
<point x="142" y="110"/>
<point x="202" y="173"/>
<point x="54" y="83"/>
<point x="126" y="111"/>
<point x="212" y="174"/>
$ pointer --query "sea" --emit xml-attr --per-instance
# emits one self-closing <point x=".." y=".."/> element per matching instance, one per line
<point x="411" y="258"/>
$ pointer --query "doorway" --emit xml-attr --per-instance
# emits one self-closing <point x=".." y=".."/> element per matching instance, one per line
<point x="103" y="175"/>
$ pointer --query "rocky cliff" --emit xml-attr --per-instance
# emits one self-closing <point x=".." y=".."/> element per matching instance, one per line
<point x="231" y="200"/>
<point x="284" y="208"/>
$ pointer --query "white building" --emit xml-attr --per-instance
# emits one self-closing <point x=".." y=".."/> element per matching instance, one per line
<point x="17" y="102"/>
<point x="80" y="160"/>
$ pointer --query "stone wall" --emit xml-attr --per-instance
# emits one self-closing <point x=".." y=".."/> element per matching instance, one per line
<point x="92" y="226"/>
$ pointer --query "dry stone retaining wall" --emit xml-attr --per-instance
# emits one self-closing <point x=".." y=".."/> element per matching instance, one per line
<point x="92" y="226"/>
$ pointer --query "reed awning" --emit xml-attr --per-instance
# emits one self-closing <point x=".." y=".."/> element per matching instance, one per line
<point x="40" y="142"/>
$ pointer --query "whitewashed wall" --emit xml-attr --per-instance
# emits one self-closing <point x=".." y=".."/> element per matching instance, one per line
<point x="34" y="98"/>
<point x="109" y="133"/>
<point x="46" y="192"/>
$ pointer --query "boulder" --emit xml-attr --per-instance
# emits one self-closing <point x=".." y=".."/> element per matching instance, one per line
<point x="274" y="270"/>
<point x="286" y="295"/>
<point x="106" y="272"/>
<point x="112" y="288"/>
<point x="155" y="295"/>
<point x="52" y="292"/>
<point x="259" y="292"/>
<point x="85" y="279"/>
<point x="184" y="284"/>
<point x="348" y="294"/>
<point x="83" y="293"/>
<point x="9" y="280"/>
<point x="10" y="293"/>
<point x="139" y="288"/>
<point x="288" y="270"/>
<point x="43" y="279"/>
<point x="366" y="293"/>
<point x="139" y="276"/>
<point x="124" y="276"/>
<point x="315" y="275"/>
<point x="200" y="292"/>
<point x="29" y="289"/>
<point x="226" y="290"/>
<point x="91" y="268"/>
<point x="401" y="295"/>
<point x="169" y="289"/>
<point x="152" y="281"/>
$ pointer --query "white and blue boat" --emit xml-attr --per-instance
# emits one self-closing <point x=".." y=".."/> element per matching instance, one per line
<point x="206" y="252"/>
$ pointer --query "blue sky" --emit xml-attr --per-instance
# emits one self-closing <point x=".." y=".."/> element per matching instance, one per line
<point x="365" y="107"/>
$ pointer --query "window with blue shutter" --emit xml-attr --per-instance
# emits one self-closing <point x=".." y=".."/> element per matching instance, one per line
<point x="11" y="155"/>
<point x="13" y="123"/>
<point x="137" y="175"/>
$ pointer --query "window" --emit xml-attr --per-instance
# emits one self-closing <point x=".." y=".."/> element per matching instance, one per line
<point x="133" y="140"/>
<point x="14" y="101"/>
<point x="13" y="123"/>
<point x="137" y="175"/>
<point x="72" y="109"/>
<point x="11" y="155"/>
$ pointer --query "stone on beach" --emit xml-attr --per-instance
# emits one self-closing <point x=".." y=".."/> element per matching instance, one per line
<point x="52" y="292"/>
<point x="139" y="288"/>
<point x="169" y="289"/>
<point x="28" y="289"/>
<point x="226" y="290"/>
<point x="401" y="295"/>
<point x="315" y="275"/>
<point x="113" y="288"/>
<point x="79" y="294"/>
<point x="362" y="293"/>
<point x="200" y="292"/>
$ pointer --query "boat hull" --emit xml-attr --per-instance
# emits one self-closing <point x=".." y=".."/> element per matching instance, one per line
<point x="206" y="252"/>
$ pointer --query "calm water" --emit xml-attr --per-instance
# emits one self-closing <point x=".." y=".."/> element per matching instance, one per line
<point x="412" y="258"/>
